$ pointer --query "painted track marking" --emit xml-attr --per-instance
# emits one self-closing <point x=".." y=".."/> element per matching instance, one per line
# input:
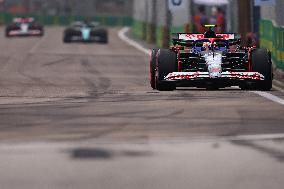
<point x="270" y="97"/>
<point x="278" y="88"/>
<point x="122" y="36"/>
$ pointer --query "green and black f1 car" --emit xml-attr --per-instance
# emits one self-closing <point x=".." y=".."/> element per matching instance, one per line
<point x="85" y="32"/>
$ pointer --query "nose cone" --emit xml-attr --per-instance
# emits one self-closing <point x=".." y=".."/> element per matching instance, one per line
<point x="215" y="74"/>
<point x="24" y="28"/>
<point x="86" y="33"/>
<point x="214" y="64"/>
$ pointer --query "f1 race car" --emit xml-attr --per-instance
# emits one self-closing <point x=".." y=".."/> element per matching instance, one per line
<point x="85" y="32"/>
<point x="210" y="61"/>
<point x="24" y="27"/>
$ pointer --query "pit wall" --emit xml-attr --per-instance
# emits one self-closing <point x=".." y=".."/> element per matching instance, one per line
<point x="66" y="20"/>
<point x="272" y="38"/>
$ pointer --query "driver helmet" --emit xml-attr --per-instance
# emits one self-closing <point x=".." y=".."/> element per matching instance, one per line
<point x="210" y="33"/>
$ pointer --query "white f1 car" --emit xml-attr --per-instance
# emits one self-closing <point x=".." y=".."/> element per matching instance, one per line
<point x="24" y="27"/>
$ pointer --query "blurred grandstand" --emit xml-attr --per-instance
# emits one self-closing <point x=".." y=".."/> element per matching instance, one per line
<point x="109" y="12"/>
<point x="66" y="7"/>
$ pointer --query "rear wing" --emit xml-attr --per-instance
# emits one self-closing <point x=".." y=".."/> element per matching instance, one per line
<point x="23" y="20"/>
<point x="190" y="39"/>
<point x="194" y="37"/>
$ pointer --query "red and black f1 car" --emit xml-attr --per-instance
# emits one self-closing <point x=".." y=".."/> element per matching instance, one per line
<point x="24" y="27"/>
<point x="210" y="61"/>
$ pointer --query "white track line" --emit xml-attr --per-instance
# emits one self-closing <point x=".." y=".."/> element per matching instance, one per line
<point x="255" y="137"/>
<point x="47" y="146"/>
<point x="278" y="85"/>
<point x="278" y="88"/>
<point x="122" y="36"/>
<point x="270" y="97"/>
<point x="278" y="82"/>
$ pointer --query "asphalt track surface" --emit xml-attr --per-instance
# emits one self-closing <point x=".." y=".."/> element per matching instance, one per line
<point x="83" y="116"/>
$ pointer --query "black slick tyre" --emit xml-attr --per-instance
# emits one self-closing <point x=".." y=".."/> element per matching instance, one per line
<point x="42" y="32"/>
<point x="66" y="38"/>
<point x="7" y="33"/>
<point x="261" y="63"/>
<point x="104" y="37"/>
<point x="102" y="34"/>
<point x="153" y="60"/>
<point x="166" y="63"/>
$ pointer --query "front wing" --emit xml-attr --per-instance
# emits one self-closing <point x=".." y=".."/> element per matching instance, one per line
<point x="91" y="38"/>
<point x="184" y="76"/>
<point x="20" y="33"/>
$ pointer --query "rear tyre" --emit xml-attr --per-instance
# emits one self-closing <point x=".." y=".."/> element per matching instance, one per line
<point x="166" y="64"/>
<point x="261" y="62"/>
<point x="153" y="60"/>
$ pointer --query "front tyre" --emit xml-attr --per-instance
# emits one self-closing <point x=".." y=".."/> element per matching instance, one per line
<point x="102" y="34"/>
<point x="166" y="60"/>
<point x="261" y="63"/>
<point x="42" y="32"/>
<point x="153" y="61"/>
<point x="66" y="38"/>
<point x="104" y="38"/>
<point x="7" y="33"/>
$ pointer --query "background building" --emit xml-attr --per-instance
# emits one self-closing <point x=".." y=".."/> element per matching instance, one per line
<point x="274" y="12"/>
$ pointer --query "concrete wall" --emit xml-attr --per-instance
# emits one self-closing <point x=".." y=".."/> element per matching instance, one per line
<point x="151" y="20"/>
<point x="143" y="11"/>
<point x="274" y="13"/>
<point x="161" y="12"/>
<point x="139" y="10"/>
<point x="232" y="16"/>
<point x="182" y="16"/>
